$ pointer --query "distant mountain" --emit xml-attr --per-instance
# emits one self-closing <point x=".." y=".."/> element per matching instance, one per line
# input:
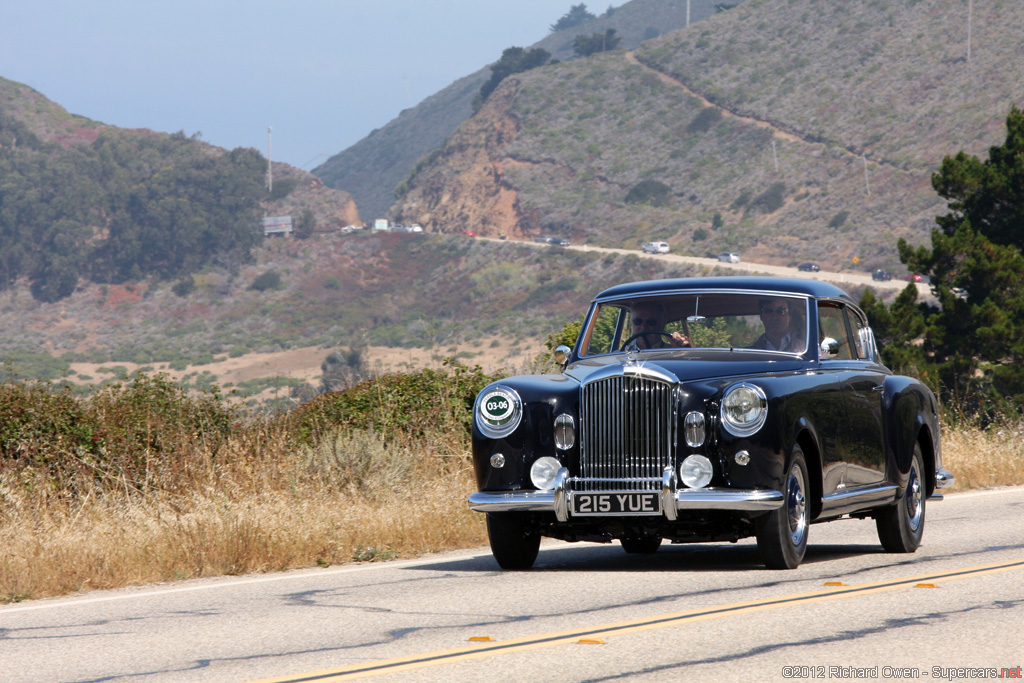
<point x="83" y="201"/>
<point x="786" y="130"/>
<point x="371" y="169"/>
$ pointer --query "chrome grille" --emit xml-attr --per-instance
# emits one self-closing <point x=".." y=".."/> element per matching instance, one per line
<point x="627" y="434"/>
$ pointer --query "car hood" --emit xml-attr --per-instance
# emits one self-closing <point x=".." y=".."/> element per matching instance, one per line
<point x="690" y="365"/>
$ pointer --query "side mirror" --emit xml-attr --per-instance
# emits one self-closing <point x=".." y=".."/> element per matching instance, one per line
<point x="561" y="354"/>
<point x="829" y="348"/>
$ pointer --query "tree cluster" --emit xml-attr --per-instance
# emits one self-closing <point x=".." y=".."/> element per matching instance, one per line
<point x="584" y="46"/>
<point x="513" y="60"/>
<point x="126" y="207"/>
<point x="576" y="15"/>
<point x="969" y="345"/>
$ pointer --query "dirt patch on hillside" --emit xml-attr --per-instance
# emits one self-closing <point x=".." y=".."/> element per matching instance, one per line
<point x="304" y="363"/>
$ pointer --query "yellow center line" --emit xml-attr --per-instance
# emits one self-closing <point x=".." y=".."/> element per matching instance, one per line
<point x="492" y="649"/>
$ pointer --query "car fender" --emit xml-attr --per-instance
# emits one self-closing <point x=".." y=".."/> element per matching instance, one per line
<point x="911" y="417"/>
<point x="543" y="398"/>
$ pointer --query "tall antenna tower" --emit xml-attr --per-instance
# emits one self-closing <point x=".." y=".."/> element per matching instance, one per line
<point x="270" y="168"/>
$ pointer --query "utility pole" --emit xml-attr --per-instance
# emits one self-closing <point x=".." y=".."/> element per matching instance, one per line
<point x="775" y="156"/>
<point x="970" y="12"/>
<point x="687" y="13"/>
<point x="867" y="184"/>
<point x="270" y="168"/>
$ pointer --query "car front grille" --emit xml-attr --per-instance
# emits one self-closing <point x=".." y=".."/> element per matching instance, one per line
<point x="627" y="434"/>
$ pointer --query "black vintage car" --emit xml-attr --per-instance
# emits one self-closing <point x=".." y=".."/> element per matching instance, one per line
<point x="708" y="409"/>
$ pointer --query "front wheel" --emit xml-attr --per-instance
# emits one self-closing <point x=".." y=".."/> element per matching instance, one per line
<point x="515" y="540"/>
<point x="901" y="526"/>
<point x="782" y="533"/>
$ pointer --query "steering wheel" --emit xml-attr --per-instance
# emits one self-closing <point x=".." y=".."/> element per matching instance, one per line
<point x="651" y="333"/>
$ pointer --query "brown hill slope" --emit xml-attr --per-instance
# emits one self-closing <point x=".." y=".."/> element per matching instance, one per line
<point x="787" y="130"/>
<point x="372" y="168"/>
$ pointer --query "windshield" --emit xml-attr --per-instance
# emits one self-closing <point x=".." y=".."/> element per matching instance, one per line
<point x="767" y="322"/>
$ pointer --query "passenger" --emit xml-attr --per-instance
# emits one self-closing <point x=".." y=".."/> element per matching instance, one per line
<point x="779" y="332"/>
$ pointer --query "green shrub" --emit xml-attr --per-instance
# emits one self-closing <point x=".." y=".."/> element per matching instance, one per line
<point x="770" y="200"/>
<point x="653" y="192"/>
<point x="268" y="280"/>
<point x="839" y="219"/>
<point x="396" y="405"/>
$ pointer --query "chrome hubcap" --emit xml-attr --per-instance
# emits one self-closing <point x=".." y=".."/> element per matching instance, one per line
<point x="796" y="506"/>
<point x="914" y="499"/>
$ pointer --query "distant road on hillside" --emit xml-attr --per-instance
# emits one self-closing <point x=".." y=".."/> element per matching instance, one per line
<point x="779" y="271"/>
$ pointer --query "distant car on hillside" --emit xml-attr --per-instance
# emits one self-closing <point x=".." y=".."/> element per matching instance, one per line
<point x="881" y="275"/>
<point x="558" y="242"/>
<point x="913" y="277"/>
<point x="468" y="232"/>
<point x="656" y="248"/>
<point x="543" y="239"/>
<point x="729" y="257"/>
<point x="809" y="267"/>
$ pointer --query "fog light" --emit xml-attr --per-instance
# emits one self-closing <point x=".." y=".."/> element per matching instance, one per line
<point x="565" y="432"/>
<point x="694" y="429"/>
<point x="497" y="461"/>
<point x="544" y="471"/>
<point x="742" y="457"/>
<point x="696" y="471"/>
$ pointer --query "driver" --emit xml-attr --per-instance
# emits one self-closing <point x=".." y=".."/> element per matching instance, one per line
<point x="648" y="320"/>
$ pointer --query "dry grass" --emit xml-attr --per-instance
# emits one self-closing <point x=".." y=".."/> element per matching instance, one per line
<point x="262" y="506"/>
<point x="354" y="498"/>
<point x="985" y="458"/>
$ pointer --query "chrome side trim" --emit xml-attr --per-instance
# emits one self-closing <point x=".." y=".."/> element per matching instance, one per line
<point x="845" y="502"/>
<point x="944" y="478"/>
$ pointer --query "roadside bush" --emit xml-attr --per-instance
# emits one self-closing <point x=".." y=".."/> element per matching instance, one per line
<point x="121" y="438"/>
<point x="652" y="192"/>
<point x="396" y="405"/>
<point x="771" y="200"/>
<point x="268" y="280"/>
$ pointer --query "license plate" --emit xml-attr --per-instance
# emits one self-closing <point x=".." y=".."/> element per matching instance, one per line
<point x="624" y="503"/>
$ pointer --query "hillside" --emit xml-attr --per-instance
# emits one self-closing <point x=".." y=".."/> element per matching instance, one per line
<point x="82" y="201"/>
<point x="786" y="130"/>
<point x="371" y="169"/>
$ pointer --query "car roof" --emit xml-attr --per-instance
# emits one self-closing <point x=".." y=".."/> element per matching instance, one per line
<point x="814" y="288"/>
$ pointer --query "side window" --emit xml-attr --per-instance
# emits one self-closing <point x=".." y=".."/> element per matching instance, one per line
<point x="604" y="332"/>
<point x="859" y="330"/>
<point x="832" y="323"/>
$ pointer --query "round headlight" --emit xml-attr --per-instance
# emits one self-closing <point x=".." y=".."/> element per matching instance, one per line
<point x="565" y="432"/>
<point x="544" y="471"/>
<point x="696" y="471"/>
<point x="498" y="411"/>
<point x="744" y="409"/>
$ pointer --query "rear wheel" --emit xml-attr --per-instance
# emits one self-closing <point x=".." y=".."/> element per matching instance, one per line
<point x="514" y="538"/>
<point x="641" y="546"/>
<point x="782" y="533"/>
<point x="901" y="526"/>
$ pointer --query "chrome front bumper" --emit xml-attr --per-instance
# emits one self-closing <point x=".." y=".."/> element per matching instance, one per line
<point x="673" y="499"/>
<point x="944" y="478"/>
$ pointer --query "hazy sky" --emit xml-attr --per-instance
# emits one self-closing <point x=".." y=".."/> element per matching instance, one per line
<point x="322" y="73"/>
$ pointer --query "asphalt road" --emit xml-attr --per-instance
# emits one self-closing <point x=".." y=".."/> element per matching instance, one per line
<point x="586" y="613"/>
<point x="744" y="267"/>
